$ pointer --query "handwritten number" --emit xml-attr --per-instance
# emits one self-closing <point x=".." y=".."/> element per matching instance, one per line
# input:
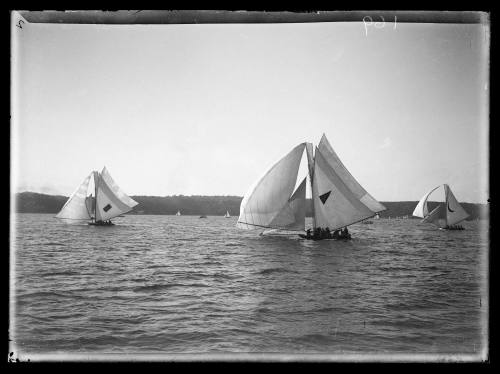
<point x="19" y="23"/>
<point x="380" y="23"/>
<point x="368" y="21"/>
<point x="367" y="24"/>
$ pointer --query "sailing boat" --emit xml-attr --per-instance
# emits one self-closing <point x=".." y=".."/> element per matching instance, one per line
<point x="338" y="199"/>
<point x="227" y="214"/>
<point x="98" y="205"/>
<point x="178" y="213"/>
<point x="445" y="216"/>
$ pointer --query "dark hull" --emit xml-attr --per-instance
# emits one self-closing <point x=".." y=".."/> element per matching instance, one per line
<point x="101" y="224"/>
<point x="452" y="228"/>
<point x="312" y="238"/>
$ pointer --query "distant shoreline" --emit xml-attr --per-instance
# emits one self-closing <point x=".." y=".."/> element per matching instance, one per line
<point x="195" y="205"/>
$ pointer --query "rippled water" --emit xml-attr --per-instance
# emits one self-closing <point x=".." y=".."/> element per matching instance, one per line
<point x="166" y="284"/>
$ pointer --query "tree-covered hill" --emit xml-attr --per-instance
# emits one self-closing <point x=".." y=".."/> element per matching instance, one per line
<point x="31" y="202"/>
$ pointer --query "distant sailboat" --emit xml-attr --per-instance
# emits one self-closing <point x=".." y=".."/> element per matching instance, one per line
<point x="99" y="205"/>
<point x="445" y="216"/>
<point x="178" y="213"/>
<point x="338" y="199"/>
<point x="227" y="214"/>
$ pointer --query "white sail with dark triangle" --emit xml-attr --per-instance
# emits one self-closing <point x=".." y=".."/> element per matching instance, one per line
<point x="268" y="202"/>
<point x="335" y="204"/>
<point x="454" y="211"/>
<point x="75" y="207"/>
<point x="349" y="181"/>
<point x="111" y="201"/>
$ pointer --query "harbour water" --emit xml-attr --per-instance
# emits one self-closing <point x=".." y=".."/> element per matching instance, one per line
<point x="167" y="285"/>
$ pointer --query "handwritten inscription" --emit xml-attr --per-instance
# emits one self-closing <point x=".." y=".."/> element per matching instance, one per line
<point x="368" y="21"/>
<point x="19" y="23"/>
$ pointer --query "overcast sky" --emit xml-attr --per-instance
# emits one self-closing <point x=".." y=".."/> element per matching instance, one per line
<point x="206" y="109"/>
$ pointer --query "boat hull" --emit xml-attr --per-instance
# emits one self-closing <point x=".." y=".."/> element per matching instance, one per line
<point x="101" y="224"/>
<point x="332" y="238"/>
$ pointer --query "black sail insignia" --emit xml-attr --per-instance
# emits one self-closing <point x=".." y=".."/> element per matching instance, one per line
<point x="107" y="207"/>
<point x="325" y="197"/>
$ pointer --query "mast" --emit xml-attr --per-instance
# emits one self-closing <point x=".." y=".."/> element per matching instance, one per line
<point x="446" y="201"/>
<point x="96" y="177"/>
<point x="310" y="164"/>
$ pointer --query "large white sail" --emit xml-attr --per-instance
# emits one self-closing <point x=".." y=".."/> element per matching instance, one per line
<point x="421" y="210"/>
<point x="266" y="199"/>
<point x="75" y="207"/>
<point x="111" y="201"/>
<point x="335" y="205"/>
<point x="293" y="215"/>
<point x="454" y="211"/>
<point x="346" y="177"/>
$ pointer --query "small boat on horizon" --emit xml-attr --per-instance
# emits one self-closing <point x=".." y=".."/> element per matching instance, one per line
<point x="98" y="203"/>
<point x="272" y="202"/>
<point x="227" y="214"/>
<point x="178" y="213"/>
<point x="445" y="216"/>
<point x="203" y="216"/>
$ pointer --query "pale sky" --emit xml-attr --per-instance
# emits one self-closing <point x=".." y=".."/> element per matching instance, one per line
<point x="205" y="109"/>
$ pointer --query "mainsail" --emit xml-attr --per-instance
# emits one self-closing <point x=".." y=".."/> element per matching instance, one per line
<point x="335" y="204"/>
<point x="75" y="207"/>
<point x="349" y="181"/>
<point x="111" y="201"/>
<point x="269" y="202"/>
<point x="454" y="211"/>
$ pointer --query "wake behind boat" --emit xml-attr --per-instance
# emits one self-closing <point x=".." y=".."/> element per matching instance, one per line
<point x="446" y="216"/>
<point x="98" y="204"/>
<point x="338" y="199"/>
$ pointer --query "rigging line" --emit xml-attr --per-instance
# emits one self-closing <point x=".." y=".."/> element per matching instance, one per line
<point x="74" y="219"/>
<point x="269" y="227"/>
